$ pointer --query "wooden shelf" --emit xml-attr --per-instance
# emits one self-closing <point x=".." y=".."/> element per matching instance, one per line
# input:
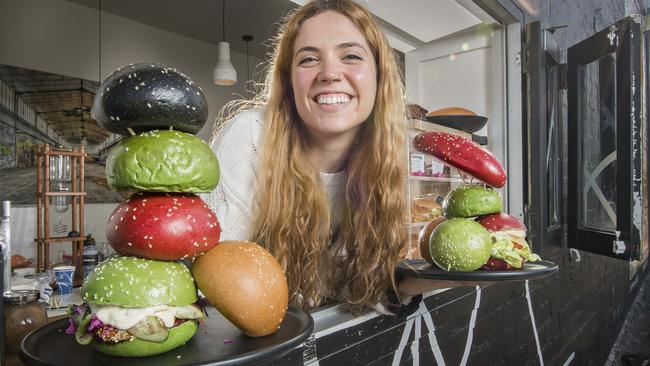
<point x="64" y="193"/>
<point x="436" y="179"/>
<point x="412" y="225"/>
<point x="59" y="239"/>
<point x="42" y="240"/>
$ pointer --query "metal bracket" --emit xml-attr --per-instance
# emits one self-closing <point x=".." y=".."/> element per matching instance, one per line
<point x="613" y="36"/>
<point x="618" y="245"/>
<point x="553" y="29"/>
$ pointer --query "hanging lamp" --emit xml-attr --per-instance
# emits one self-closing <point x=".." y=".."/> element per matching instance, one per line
<point x="224" y="72"/>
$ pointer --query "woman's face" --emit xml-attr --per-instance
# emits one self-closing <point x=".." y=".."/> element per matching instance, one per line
<point x="334" y="76"/>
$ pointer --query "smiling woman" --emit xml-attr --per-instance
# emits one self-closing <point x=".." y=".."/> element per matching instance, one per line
<point x="334" y="82"/>
<point x="311" y="168"/>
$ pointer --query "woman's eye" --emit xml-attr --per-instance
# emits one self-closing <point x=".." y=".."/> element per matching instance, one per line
<point x="353" y="57"/>
<point x="306" y="60"/>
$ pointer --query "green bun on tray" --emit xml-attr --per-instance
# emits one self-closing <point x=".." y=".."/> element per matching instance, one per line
<point x="472" y="200"/>
<point x="460" y="244"/>
<point x="162" y="161"/>
<point x="138" y="282"/>
<point x="129" y="295"/>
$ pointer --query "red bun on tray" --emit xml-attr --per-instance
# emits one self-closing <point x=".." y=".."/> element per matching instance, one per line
<point x="163" y="226"/>
<point x="462" y="154"/>
<point x="509" y="247"/>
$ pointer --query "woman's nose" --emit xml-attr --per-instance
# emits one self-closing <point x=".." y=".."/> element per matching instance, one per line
<point x="329" y="72"/>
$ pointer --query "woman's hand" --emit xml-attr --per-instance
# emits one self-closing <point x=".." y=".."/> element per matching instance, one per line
<point x="411" y="286"/>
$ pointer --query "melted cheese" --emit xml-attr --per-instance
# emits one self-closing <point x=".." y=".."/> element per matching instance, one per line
<point x="124" y="318"/>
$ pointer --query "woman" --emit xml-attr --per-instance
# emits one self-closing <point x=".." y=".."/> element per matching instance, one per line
<point x="313" y="168"/>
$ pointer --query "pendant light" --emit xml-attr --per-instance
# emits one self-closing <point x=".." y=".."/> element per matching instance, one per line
<point x="224" y="73"/>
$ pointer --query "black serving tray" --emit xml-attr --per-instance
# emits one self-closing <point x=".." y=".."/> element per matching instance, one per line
<point x="468" y="124"/>
<point x="216" y="343"/>
<point x="422" y="269"/>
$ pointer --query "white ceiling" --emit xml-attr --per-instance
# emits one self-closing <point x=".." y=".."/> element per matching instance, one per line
<point x="202" y="19"/>
<point x="408" y="24"/>
<point x="425" y="20"/>
<point x="412" y="23"/>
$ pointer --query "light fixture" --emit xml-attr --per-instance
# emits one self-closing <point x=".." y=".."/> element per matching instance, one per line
<point x="247" y="38"/>
<point x="224" y="73"/>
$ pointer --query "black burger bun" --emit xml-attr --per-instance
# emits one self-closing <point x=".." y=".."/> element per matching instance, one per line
<point x="150" y="96"/>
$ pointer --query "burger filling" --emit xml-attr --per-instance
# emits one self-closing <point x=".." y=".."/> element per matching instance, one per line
<point x="511" y="247"/>
<point x="113" y="324"/>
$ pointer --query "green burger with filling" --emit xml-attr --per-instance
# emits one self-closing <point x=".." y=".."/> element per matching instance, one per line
<point x="136" y="307"/>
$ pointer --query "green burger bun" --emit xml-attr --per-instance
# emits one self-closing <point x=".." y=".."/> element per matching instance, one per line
<point x="138" y="282"/>
<point x="141" y="348"/>
<point x="131" y="282"/>
<point x="162" y="161"/>
<point x="472" y="200"/>
<point x="460" y="244"/>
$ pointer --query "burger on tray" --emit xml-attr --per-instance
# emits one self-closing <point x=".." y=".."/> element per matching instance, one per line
<point x="136" y="307"/>
<point x="509" y="247"/>
<point x="476" y="233"/>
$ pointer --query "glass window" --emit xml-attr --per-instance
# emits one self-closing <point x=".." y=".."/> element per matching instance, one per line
<point x="597" y="155"/>
<point x="553" y="163"/>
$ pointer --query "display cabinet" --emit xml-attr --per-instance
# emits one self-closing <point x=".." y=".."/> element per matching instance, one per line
<point x="427" y="184"/>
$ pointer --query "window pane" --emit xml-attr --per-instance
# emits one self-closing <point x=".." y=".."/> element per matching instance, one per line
<point x="597" y="154"/>
<point x="553" y="175"/>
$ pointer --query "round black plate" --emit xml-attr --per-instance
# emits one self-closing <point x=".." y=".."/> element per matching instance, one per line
<point x="469" y="124"/>
<point x="217" y="342"/>
<point x="422" y="269"/>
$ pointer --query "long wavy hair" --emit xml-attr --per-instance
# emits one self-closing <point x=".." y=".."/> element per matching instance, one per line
<point x="291" y="210"/>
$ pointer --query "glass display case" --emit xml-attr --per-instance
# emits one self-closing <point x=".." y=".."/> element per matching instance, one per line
<point x="427" y="184"/>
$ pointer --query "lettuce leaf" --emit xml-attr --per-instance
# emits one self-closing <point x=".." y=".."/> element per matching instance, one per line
<point x="511" y="247"/>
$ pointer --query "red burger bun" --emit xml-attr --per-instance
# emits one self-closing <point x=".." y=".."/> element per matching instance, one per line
<point x="501" y="221"/>
<point x="463" y="154"/>
<point x="163" y="226"/>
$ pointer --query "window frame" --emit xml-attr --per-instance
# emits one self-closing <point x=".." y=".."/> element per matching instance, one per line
<point x="622" y="39"/>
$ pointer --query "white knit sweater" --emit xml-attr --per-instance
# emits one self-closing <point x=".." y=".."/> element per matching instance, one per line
<point x="238" y="150"/>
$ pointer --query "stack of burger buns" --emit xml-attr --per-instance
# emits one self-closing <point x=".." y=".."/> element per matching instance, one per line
<point x="474" y="232"/>
<point x="144" y="301"/>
